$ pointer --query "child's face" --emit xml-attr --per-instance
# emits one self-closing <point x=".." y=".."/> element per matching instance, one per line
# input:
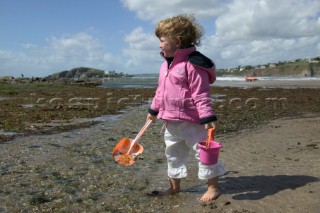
<point x="169" y="46"/>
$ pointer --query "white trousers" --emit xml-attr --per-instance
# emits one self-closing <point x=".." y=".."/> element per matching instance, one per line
<point x="181" y="138"/>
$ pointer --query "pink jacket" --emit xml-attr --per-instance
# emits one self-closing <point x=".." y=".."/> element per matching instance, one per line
<point x="183" y="91"/>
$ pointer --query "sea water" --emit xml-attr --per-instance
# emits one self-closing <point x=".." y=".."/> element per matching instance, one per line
<point x="138" y="81"/>
<point x="151" y="81"/>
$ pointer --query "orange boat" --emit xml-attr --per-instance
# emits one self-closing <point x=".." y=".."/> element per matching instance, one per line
<point x="251" y="79"/>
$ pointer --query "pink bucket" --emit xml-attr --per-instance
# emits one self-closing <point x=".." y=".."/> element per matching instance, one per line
<point x="209" y="149"/>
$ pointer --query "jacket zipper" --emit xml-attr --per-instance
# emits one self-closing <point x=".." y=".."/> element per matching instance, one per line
<point x="164" y="85"/>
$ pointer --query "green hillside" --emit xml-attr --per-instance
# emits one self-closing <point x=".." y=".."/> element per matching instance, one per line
<point x="294" y="69"/>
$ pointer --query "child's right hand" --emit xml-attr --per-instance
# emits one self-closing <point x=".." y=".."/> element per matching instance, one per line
<point x="213" y="124"/>
<point x="151" y="117"/>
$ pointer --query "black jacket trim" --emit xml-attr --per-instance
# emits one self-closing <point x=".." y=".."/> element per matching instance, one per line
<point x="198" y="59"/>
<point x="208" y="119"/>
<point x="153" y="112"/>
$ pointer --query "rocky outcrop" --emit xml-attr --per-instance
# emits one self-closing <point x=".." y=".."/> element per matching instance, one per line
<point x="79" y="73"/>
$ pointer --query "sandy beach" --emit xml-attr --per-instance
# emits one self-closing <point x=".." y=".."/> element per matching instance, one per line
<point x="272" y="166"/>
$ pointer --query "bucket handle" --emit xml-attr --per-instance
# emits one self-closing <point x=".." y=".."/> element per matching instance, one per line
<point x="209" y="137"/>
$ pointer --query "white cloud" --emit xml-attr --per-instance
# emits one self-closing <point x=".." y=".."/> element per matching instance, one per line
<point x="249" y="20"/>
<point x="66" y="52"/>
<point x="258" y="32"/>
<point x="143" y="51"/>
<point x="246" y="31"/>
<point x="156" y="10"/>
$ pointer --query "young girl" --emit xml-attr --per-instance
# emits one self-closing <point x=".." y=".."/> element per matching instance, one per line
<point x="183" y="101"/>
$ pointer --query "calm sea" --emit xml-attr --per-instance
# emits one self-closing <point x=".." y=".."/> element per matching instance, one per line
<point x="151" y="81"/>
<point x="138" y="81"/>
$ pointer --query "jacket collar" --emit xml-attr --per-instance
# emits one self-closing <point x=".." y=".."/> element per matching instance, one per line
<point x="181" y="54"/>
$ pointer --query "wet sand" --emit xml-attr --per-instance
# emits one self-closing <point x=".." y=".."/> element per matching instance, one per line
<point x="273" y="166"/>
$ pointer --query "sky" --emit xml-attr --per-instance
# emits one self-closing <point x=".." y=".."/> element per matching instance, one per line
<point x="41" y="37"/>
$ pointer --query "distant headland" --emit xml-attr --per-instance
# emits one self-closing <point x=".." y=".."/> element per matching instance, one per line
<point x="80" y="75"/>
<point x="300" y="68"/>
<point x="296" y="68"/>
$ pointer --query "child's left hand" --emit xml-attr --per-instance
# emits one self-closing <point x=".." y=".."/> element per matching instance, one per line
<point x="213" y="124"/>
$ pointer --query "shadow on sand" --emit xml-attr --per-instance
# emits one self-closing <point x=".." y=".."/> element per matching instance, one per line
<point x="256" y="187"/>
<point x="260" y="186"/>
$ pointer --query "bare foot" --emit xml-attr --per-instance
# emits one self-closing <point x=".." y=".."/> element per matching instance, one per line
<point x="173" y="189"/>
<point x="169" y="191"/>
<point x="211" y="194"/>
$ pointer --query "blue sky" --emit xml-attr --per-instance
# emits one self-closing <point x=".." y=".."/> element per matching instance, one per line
<point x="40" y="37"/>
<point x="34" y="21"/>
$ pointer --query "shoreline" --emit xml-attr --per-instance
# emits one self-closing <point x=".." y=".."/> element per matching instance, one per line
<point x="286" y="84"/>
<point x="227" y="81"/>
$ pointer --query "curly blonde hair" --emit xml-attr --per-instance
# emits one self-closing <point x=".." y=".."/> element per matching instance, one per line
<point x="183" y="27"/>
